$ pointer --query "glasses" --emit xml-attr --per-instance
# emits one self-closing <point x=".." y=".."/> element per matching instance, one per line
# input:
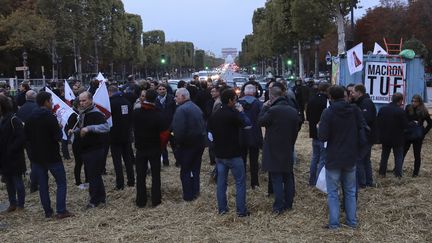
<point x="415" y="101"/>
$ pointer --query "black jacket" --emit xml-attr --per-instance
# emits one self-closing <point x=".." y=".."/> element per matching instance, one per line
<point x="281" y="122"/>
<point x="98" y="135"/>
<point x="121" y="118"/>
<point x="12" y="141"/>
<point x="392" y="122"/>
<point x="20" y="99"/>
<point x="26" y="110"/>
<point x="369" y="113"/>
<point x="148" y="123"/>
<point x="168" y="109"/>
<point x="43" y="134"/>
<point x="419" y="117"/>
<point x="339" y="128"/>
<point x="315" y="107"/>
<point x="225" y="125"/>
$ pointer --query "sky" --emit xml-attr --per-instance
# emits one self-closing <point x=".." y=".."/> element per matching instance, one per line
<point x="210" y="24"/>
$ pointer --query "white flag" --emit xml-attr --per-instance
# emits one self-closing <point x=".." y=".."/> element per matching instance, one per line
<point x="61" y="110"/>
<point x="102" y="102"/>
<point x="378" y="50"/>
<point x="355" y="59"/>
<point x="100" y="77"/>
<point x="69" y="95"/>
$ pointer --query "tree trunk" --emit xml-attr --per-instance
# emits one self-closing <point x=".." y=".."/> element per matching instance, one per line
<point x="301" y="65"/>
<point x="79" y="65"/>
<point x="340" y="20"/>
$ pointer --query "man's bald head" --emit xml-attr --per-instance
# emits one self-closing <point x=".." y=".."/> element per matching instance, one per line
<point x="30" y="95"/>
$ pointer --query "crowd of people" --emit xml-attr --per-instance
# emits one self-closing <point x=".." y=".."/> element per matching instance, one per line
<point x="343" y="125"/>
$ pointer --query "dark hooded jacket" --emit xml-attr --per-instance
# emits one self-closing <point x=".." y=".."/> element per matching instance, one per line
<point x="43" y="134"/>
<point x="281" y="122"/>
<point x="339" y="128"/>
<point x="369" y="113"/>
<point x="12" y="141"/>
<point x="251" y="137"/>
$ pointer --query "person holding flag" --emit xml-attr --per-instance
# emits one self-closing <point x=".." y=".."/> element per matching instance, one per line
<point x="92" y="133"/>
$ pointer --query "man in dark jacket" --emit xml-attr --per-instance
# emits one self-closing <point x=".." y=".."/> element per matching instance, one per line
<point x="43" y="134"/>
<point x="189" y="131"/>
<point x="120" y="139"/>
<point x="315" y="107"/>
<point x="281" y="122"/>
<point x="12" y="161"/>
<point x="225" y="125"/>
<point x="364" y="164"/>
<point x="27" y="108"/>
<point x="251" y="139"/>
<point x="24" y="113"/>
<point x="338" y="127"/>
<point x="392" y="122"/>
<point x="92" y="133"/>
<point x="148" y="124"/>
<point x="166" y="104"/>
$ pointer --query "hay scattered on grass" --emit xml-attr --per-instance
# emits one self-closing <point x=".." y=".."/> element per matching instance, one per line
<point x="396" y="210"/>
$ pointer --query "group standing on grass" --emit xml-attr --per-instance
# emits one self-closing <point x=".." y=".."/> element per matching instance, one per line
<point x="343" y="124"/>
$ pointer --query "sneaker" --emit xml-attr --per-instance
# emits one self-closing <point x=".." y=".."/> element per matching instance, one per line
<point x="66" y="214"/>
<point x="330" y="227"/>
<point x="90" y="206"/>
<point x="84" y="186"/>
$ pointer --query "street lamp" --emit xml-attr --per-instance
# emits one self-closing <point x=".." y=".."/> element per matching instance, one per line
<point x="317" y="42"/>
<point x="25" y="56"/>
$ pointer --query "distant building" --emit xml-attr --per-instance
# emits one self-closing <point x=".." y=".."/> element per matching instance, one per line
<point x="229" y="52"/>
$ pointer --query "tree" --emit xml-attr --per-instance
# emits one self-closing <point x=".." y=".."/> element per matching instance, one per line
<point x="416" y="45"/>
<point x="26" y="30"/>
<point x="156" y="37"/>
<point x="338" y="10"/>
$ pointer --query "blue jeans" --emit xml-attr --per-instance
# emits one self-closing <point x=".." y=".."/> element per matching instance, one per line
<point x="58" y="171"/>
<point x="284" y="190"/>
<point x="364" y="167"/>
<point x="317" y="161"/>
<point x="348" y="179"/>
<point x="238" y="171"/>
<point x="398" y="157"/>
<point x="15" y="187"/>
<point x="190" y="163"/>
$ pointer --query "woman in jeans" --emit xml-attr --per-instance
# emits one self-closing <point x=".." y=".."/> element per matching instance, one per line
<point x="12" y="160"/>
<point x="417" y="113"/>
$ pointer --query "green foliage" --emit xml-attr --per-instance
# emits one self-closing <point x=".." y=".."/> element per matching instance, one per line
<point x="25" y="30"/>
<point x="155" y="37"/>
<point x="417" y="46"/>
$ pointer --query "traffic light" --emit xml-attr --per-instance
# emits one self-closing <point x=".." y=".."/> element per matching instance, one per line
<point x="206" y="67"/>
<point x="162" y="59"/>
<point x="289" y="62"/>
<point x="254" y="68"/>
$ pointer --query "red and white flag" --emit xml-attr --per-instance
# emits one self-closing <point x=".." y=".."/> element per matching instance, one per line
<point x="102" y="102"/>
<point x="68" y="93"/>
<point x="355" y="59"/>
<point x="61" y="110"/>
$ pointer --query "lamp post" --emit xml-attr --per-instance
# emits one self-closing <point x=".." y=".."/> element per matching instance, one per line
<point x="317" y="42"/>
<point x="25" y="56"/>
